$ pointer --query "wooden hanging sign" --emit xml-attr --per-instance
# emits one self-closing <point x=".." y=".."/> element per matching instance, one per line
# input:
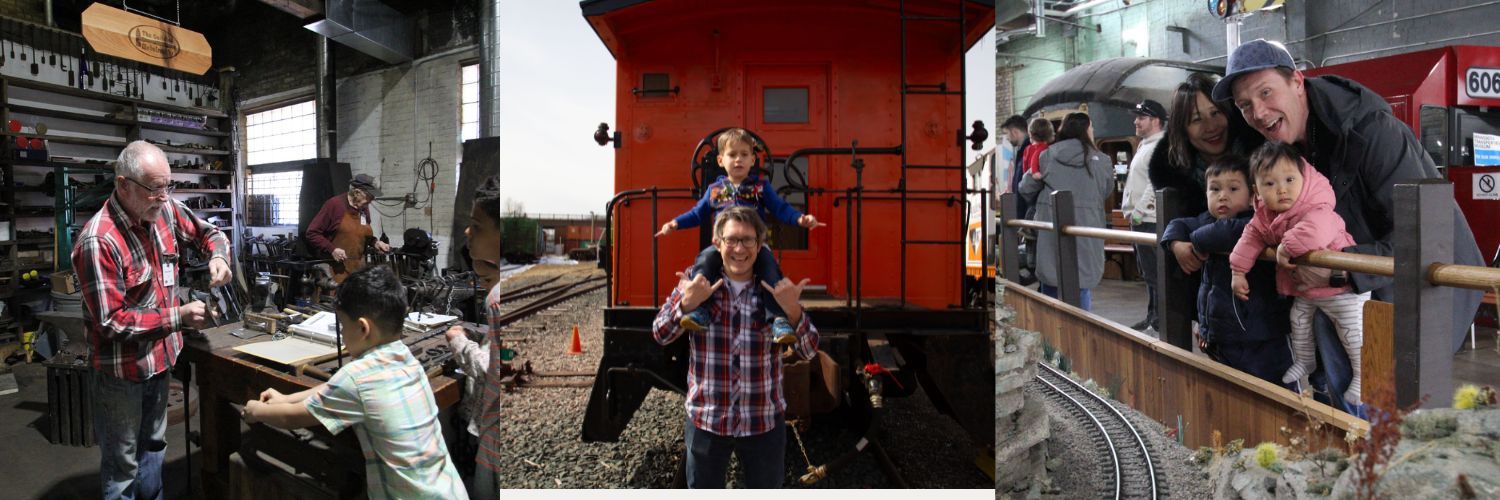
<point x="139" y="38"/>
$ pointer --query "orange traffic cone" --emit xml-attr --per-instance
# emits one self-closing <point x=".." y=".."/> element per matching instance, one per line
<point x="577" y="345"/>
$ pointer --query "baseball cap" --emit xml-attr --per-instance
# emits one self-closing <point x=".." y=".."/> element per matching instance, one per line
<point x="365" y="183"/>
<point x="1250" y="57"/>
<point x="1151" y="108"/>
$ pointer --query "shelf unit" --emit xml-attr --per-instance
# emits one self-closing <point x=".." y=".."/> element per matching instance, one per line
<point x="91" y="128"/>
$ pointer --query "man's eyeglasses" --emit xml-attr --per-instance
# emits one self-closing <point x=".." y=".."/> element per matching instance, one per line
<point x="745" y="242"/>
<point x="154" y="192"/>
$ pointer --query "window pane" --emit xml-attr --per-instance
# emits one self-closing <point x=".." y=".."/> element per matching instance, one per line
<point x="273" y="198"/>
<point x="471" y="93"/>
<point x="282" y="134"/>
<point x="785" y="105"/>
<point x="471" y="73"/>
<point x="470" y="131"/>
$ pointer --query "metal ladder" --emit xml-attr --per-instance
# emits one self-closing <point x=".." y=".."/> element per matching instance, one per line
<point x="941" y="91"/>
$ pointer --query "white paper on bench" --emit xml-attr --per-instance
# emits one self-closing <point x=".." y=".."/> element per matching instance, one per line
<point x="287" y="351"/>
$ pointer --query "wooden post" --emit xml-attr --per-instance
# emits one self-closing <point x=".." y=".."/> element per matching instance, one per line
<point x="1010" y="239"/>
<point x="1176" y="292"/>
<point x="1424" y="312"/>
<point x="1378" y="380"/>
<point x="1067" y="249"/>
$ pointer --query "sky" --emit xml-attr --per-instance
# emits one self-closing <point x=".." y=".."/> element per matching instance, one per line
<point x="557" y="85"/>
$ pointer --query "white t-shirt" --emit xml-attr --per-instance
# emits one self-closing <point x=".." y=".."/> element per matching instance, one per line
<point x="737" y="287"/>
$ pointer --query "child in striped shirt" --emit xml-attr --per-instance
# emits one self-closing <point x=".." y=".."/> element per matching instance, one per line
<point x="383" y="394"/>
<point x="1294" y="212"/>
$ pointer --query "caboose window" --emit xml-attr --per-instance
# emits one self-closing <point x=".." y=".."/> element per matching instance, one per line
<point x="785" y="105"/>
<point x="656" y="84"/>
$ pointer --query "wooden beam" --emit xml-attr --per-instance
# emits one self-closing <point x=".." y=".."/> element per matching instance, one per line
<point x="303" y="9"/>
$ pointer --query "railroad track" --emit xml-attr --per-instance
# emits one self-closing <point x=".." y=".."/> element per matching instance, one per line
<point x="550" y="296"/>
<point x="1127" y="459"/>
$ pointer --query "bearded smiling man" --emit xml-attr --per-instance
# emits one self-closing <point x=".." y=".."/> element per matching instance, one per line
<point x="126" y="260"/>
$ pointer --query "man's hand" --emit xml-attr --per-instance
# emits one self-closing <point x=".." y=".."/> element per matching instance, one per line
<point x="808" y="221"/>
<point x="1309" y="277"/>
<point x="218" y="271"/>
<point x="1187" y="258"/>
<point x="696" y="291"/>
<point x="272" y="396"/>
<point x="382" y="246"/>
<point x="667" y="228"/>
<point x="194" y="314"/>
<point x="1241" y="286"/>
<point x="339" y="255"/>
<point x="252" y="410"/>
<point x="788" y="295"/>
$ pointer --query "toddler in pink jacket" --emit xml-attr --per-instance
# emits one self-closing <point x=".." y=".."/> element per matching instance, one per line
<point x="1294" y="213"/>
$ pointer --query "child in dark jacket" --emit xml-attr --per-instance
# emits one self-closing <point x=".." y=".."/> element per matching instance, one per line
<point x="1249" y="335"/>
<point x="740" y="188"/>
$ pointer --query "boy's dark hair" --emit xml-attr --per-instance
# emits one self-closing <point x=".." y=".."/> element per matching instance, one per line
<point x="1227" y="164"/>
<point x="374" y="293"/>
<point x="1269" y="154"/>
<point x="1015" y="122"/>
<point x="487" y="197"/>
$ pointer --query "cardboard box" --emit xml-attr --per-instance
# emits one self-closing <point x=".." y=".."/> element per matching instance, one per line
<point x="65" y="282"/>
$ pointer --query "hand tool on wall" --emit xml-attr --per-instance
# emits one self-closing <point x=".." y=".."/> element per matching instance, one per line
<point x="20" y="33"/>
<point x="31" y="41"/>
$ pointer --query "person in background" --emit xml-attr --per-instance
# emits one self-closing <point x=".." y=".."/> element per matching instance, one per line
<point x="1138" y="203"/>
<point x="126" y="259"/>
<point x="1248" y="335"/>
<point x="382" y="394"/>
<point x="483" y="235"/>
<point x="1015" y="135"/>
<point x="321" y="231"/>
<point x="1074" y="164"/>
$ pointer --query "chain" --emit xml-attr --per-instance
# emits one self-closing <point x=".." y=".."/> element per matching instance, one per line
<point x="800" y="446"/>
<point x="178" y="22"/>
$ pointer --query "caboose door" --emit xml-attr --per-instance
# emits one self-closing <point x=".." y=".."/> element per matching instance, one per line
<point x="787" y="104"/>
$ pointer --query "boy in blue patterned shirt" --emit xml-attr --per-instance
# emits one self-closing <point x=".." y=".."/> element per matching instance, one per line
<point x="740" y="188"/>
<point x="383" y="394"/>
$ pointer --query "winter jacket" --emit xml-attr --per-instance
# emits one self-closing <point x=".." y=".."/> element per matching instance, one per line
<point x="1017" y="173"/>
<point x="1138" y="202"/>
<point x="1089" y="175"/>
<point x="753" y="192"/>
<point x="1309" y="225"/>
<point x="1365" y="151"/>
<point x="1222" y="318"/>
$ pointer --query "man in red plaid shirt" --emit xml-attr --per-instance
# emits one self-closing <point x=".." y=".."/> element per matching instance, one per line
<point x="127" y="264"/>
<point x="734" y="399"/>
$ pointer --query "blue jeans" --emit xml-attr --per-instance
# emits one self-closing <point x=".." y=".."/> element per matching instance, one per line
<point x="130" y="423"/>
<point x="1333" y="373"/>
<point x="1085" y="299"/>
<point x="711" y="265"/>
<point x="762" y="457"/>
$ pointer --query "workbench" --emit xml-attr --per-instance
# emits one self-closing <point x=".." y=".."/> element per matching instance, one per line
<point x="227" y="377"/>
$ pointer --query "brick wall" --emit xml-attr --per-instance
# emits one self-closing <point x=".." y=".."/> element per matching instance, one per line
<point x="25" y="10"/>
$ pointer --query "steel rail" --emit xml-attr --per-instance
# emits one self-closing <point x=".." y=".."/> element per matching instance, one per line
<point x="1135" y="434"/>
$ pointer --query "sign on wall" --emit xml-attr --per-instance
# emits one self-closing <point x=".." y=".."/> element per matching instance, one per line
<point x="1486" y="150"/>
<point x="139" y="38"/>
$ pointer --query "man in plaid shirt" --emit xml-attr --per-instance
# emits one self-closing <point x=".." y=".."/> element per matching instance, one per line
<point x="126" y="260"/>
<point x="734" y="397"/>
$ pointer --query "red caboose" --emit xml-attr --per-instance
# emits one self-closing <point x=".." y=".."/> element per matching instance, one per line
<point x="861" y="105"/>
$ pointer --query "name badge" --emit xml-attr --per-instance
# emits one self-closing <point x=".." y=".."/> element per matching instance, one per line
<point x="169" y="270"/>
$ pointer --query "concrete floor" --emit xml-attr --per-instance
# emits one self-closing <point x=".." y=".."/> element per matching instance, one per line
<point x="35" y="468"/>
<point x="1124" y="302"/>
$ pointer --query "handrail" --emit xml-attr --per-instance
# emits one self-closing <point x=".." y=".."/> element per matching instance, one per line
<point x="1451" y="275"/>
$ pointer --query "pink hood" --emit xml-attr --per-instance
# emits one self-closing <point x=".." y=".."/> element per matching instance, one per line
<point x="1311" y="224"/>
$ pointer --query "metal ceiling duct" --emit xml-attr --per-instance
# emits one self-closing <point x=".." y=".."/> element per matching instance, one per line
<point x="368" y="26"/>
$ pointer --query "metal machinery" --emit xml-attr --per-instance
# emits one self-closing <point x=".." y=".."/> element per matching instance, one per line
<point x="860" y="105"/>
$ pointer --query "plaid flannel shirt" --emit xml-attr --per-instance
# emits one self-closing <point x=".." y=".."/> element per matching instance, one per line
<point x="128" y="274"/>
<point x="734" y="367"/>
<point x="488" y="417"/>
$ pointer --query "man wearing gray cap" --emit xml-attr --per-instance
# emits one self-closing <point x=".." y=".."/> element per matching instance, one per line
<point x="1138" y="200"/>
<point x="355" y="202"/>
<point x="1348" y="133"/>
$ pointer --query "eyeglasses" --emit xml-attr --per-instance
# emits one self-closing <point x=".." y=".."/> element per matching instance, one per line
<point x="745" y="242"/>
<point x="154" y="192"/>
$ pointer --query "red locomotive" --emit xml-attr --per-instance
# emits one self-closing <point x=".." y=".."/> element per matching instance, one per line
<point x="860" y="104"/>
